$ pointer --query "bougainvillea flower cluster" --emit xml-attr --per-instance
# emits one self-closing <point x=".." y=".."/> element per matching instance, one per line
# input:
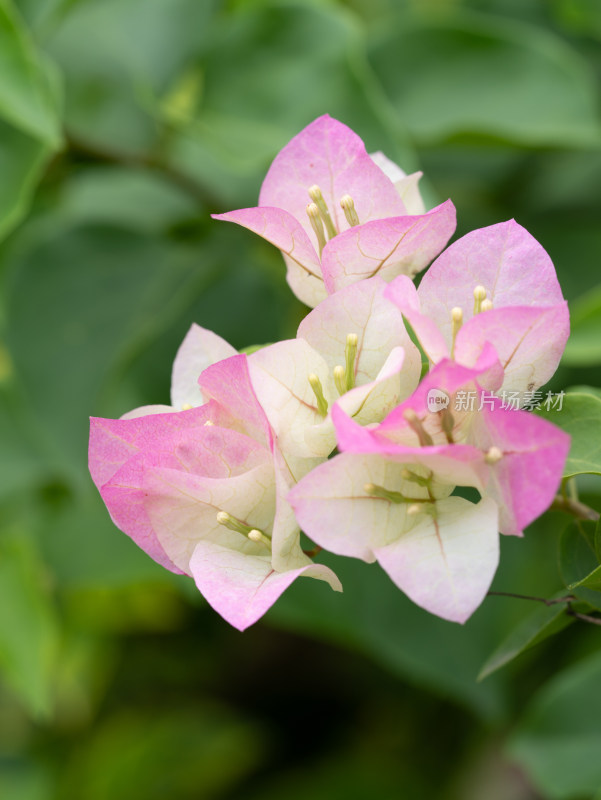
<point x="356" y="431"/>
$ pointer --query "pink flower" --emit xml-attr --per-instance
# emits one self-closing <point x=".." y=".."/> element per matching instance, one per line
<point x="517" y="456"/>
<point x="338" y="216"/>
<point x="352" y="349"/>
<point x="387" y="497"/>
<point x="202" y="491"/>
<point x="494" y="285"/>
<point x="441" y="551"/>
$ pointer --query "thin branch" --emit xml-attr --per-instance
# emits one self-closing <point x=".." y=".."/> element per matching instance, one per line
<point x="583" y="617"/>
<point x="314" y="552"/>
<point x="547" y="601"/>
<point x="574" y="507"/>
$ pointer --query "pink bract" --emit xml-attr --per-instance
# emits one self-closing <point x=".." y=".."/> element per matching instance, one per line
<point x="388" y="240"/>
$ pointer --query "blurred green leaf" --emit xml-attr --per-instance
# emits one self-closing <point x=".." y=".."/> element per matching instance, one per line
<point x="28" y="634"/>
<point x="558" y="740"/>
<point x="578" y="562"/>
<point x="22" y="161"/>
<point x="82" y="300"/>
<point x="182" y="752"/>
<point x="26" y="94"/>
<point x="584" y="345"/>
<point x="502" y="78"/>
<point x="29" y="120"/>
<point x="543" y="622"/>
<point x="579" y="416"/>
<point x="132" y="198"/>
<point x="117" y="56"/>
<point x="269" y="71"/>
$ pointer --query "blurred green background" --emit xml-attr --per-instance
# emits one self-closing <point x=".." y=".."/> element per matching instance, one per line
<point x="123" y="125"/>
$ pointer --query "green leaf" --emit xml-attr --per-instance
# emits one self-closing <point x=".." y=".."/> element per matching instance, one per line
<point x="486" y="75"/>
<point x="558" y="740"/>
<point x="22" y="161"/>
<point x="580" y="416"/>
<point x="26" y="92"/>
<point x="29" y="118"/>
<point x="260" y="89"/>
<point x="82" y="302"/>
<point x="28" y="634"/>
<point x="543" y="622"/>
<point x="133" y="198"/>
<point x="117" y="55"/>
<point x="578" y="562"/>
<point x="584" y="345"/>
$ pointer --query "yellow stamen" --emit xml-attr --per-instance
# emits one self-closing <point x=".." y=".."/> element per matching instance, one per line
<point x="317" y="197"/>
<point x="415" y="424"/>
<point x="494" y="455"/>
<point x="348" y="206"/>
<point x="408" y="475"/>
<point x="350" y="354"/>
<point x="322" y="403"/>
<point x="447" y="421"/>
<point x="479" y="296"/>
<point x="317" y="225"/>
<point x="456" y="323"/>
<point x="259" y="537"/>
<point x="340" y="379"/>
<point x="373" y="490"/>
<point x="486" y="305"/>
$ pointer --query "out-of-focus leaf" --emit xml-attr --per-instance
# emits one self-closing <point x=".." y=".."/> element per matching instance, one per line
<point x="558" y="740"/>
<point x="81" y="301"/>
<point x="26" y="92"/>
<point x="582" y="17"/>
<point x="29" y="119"/>
<point x="84" y="548"/>
<point x="28" y="635"/>
<point x="117" y="56"/>
<point x="24" y="781"/>
<point x="22" y="160"/>
<point x="261" y="87"/>
<point x="501" y="78"/>
<point x="580" y="416"/>
<point x="578" y="561"/>
<point x="22" y="464"/>
<point x="186" y="752"/>
<point x="584" y="345"/>
<point x="543" y="622"/>
<point x="131" y="198"/>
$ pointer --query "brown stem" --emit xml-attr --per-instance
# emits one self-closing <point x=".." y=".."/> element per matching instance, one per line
<point x="312" y="553"/>
<point x="584" y="617"/>
<point x="547" y="601"/>
<point x="574" y="507"/>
